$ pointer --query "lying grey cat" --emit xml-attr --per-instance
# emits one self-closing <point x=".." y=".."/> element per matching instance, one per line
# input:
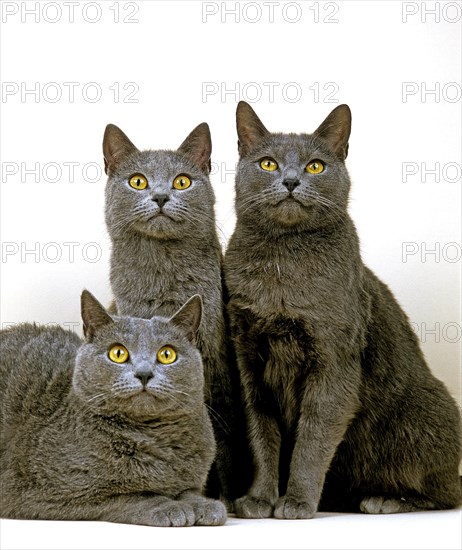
<point x="113" y="428"/>
<point x="341" y="404"/>
<point x="160" y="216"/>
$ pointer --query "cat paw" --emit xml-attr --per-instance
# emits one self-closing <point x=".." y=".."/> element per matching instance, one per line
<point x="290" y="508"/>
<point x="253" y="508"/>
<point x="382" y="505"/>
<point x="209" y="512"/>
<point x="173" y="514"/>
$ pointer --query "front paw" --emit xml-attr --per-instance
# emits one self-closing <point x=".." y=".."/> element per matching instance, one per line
<point x="172" y="514"/>
<point x="209" y="512"/>
<point x="253" y="508"/>
<point x="290" y="508"/>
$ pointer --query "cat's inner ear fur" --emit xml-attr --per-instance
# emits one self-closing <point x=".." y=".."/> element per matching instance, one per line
<point x="116" y="146"/>
<point x="94" y="316"/>
<point x="198" y="147"/>
<point x="188" y="317"/>
<point x="250" y="128"/>
<point x="335" y="130"/>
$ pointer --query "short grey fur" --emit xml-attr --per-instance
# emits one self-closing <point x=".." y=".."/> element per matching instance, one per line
<point x="164" y="249"/>
<point x="344" y="413"/>
<point x="87" y="438"/>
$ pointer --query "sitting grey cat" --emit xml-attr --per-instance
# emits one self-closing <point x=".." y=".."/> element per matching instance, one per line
<point x="165" y="248"/>
<point x="113" y="428"/>
<point x="344" y="413"/>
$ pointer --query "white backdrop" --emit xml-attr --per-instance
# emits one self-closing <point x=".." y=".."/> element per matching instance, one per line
<point x="159" y="68"/>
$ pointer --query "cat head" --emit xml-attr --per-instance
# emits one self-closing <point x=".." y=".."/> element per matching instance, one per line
<point x="291" y="182"/>
<point x="140" y="368"/>
<point x="160" y="194"/>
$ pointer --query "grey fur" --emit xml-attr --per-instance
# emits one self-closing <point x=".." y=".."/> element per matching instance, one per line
<point x="84" y="438"/>
<point x="344" y="414"/>
<point x="157" y="262"/>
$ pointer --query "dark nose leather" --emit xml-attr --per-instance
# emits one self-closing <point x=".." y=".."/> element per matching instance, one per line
<point x="160" y="199"/>
<point x="291" y="184"/>
<point x="144" y="376"/>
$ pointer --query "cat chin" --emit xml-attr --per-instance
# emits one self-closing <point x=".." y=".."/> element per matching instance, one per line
<point x="290" y="212"/>
<point x="146" y="407"/>
<point x="162" y="228"/>
<point x="136" y="392"/>
<point x="145" y="403"/>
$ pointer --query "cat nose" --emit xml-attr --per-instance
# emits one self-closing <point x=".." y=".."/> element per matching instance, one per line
<point x="160" y="199"/>
<point x="144" y="376"/>
<point x="291" y="183"/>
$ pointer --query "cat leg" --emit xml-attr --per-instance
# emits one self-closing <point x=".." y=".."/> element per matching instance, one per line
<point x="265" y="442"/>
<point x="390" y="505"/>
<point x="206" y="510"/>
<point x="422" y="471"/>
<point x="228" y="476"/>
<point x="156" y="511"/>
<point x="137" y="509"/>
<point x="441" y="490"/>
<point x="263" y="430"/>
<point x="328" y="405"/>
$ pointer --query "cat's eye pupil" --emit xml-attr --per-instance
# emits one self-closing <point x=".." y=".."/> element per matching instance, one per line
<point x="181" y="182"/>
<point x="268" y="164"/>
<point x="118" y="354"/>
<point x="166" y="355"/>
<point x="315" y="167"/>
<point x="138" y="182"/>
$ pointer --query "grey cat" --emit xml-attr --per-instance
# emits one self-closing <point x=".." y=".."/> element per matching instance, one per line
<point x="160" y="217"/>
<point x="344" y="414"/>
<point x="113" y="428"/>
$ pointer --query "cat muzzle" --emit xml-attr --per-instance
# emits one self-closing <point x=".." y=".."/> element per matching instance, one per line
<point x="291" y="183"/>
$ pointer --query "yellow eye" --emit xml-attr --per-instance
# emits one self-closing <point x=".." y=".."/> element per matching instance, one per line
<point x="269" y="165"/>
<point x="181" y="182"/>
<point x="315" y="167"/>
<point x="118" y="354"/>
<point x="138" y="181"/>
<point x="166" y="355"/>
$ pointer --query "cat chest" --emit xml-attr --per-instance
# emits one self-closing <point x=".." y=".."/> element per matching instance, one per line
<point x="285" y="287"/>
<point x="284" y="355"/>
<point x="163" y="293"/>
<point x="157" y="268"/>
<point x="133" y="465"/>
<point x="103" y="458"/>
<point x="284" y="379"/>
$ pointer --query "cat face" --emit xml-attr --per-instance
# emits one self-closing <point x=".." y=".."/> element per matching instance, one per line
<point x="136" y="367"/>
<point x="160" y="194"/>
<point x="292" y="181"/>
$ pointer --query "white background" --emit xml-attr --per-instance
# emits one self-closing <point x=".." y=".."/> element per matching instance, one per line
<point x="189" y="62"/>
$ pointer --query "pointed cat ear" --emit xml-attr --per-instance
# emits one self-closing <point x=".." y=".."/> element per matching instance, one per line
<point x="94" y="315"/>
<point x="250" y="128"/>
<point x="188" y="317"/>
<point x="335" y="130"/>
<point x="198" y="147"/>
<point x="116" y="146"/>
